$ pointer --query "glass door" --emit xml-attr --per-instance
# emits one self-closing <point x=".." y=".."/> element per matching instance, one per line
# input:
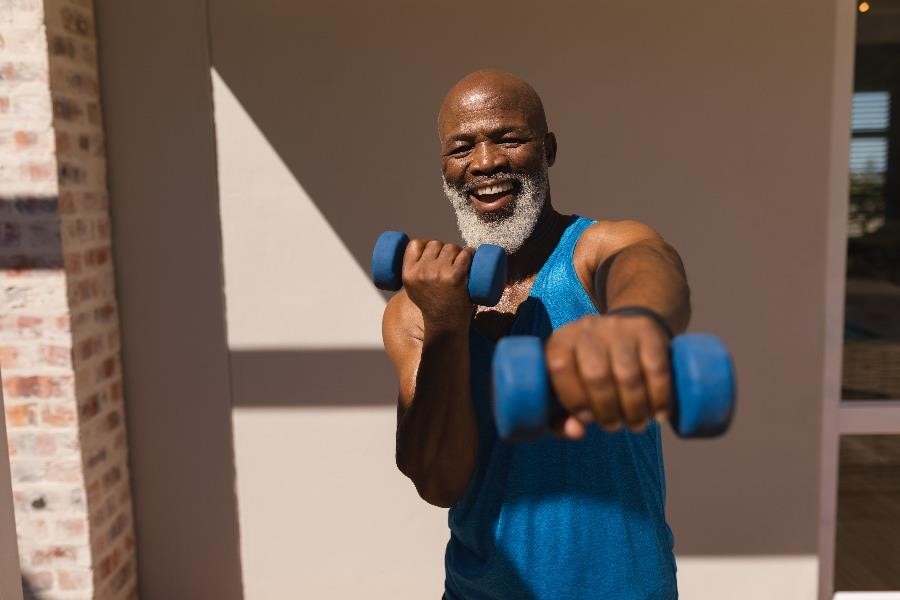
<point x="867" y="543"/>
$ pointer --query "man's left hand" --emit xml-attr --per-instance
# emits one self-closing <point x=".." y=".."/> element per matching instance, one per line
<point x="613" y="370"/>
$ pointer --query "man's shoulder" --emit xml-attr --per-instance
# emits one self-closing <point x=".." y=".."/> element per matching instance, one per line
<point x="602" y="239"/>
<point x="622" y="231"/>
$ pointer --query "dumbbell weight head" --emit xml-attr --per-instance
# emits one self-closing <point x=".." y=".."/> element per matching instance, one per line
<point x="387" y="260"/>
<point x="487" y="273"/>
<point x="704" y="386"/>
<point x="523" y="397"/>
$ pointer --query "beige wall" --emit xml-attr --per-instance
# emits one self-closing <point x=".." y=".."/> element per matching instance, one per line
<point x="710" y="121"/>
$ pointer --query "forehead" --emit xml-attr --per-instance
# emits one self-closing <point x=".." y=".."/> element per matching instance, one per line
<point x="482" y="109"/>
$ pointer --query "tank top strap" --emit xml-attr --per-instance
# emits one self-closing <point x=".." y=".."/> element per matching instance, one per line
<point x="557" y="291"/>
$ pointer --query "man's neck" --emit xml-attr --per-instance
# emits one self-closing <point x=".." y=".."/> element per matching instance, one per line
<point x="534" y="252"/>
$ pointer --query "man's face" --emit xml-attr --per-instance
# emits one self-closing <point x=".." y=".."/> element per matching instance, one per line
<point x="494" y="167"/>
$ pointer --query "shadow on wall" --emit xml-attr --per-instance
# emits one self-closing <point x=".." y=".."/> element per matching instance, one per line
<point x="28" y="592"/>
<point x="29" y="233"/>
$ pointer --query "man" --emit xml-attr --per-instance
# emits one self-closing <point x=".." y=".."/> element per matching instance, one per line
<point x="579" y="514"/>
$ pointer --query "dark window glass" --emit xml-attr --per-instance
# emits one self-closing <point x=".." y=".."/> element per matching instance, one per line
<point x="872" y="317"/>
<point x="867" y="549"/>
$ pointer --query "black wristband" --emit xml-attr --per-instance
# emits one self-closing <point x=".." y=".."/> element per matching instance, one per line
<point x="643" y="311"/>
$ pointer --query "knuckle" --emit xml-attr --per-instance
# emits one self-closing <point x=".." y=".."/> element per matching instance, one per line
<point x="557" y="362"/>
<point x="610" y="425"/>
<point x="595" y="375"/>
<point x="638" y="426"/>
<point x="629" y="378"/>
<point x="656" y="366"/>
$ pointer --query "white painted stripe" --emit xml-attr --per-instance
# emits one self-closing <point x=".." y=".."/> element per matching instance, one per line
<point x="777" y="577"/>
<point x="869" y="417"/>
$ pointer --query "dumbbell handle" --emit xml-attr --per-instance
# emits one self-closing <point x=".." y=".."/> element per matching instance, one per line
<point x="487" y="272"/>
<point x="702" y="375"/>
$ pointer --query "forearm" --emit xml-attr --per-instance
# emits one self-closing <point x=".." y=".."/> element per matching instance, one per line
<point x="437" y="433"/>
<point x="650" y="274"/>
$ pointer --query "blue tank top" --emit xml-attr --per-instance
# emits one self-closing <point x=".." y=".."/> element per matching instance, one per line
<point x="558" y="519"/>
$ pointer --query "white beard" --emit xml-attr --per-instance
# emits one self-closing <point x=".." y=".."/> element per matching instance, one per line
<point x="509" y="227"/>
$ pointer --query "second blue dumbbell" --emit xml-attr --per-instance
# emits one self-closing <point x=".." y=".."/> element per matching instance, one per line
<point x="487" y="273"/>
<point x="703" y="388"/>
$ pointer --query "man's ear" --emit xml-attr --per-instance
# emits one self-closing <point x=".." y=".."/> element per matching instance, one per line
<point x="550" y="148"/>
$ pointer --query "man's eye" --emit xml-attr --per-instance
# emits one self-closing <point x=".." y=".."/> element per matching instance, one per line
<point x="512" y="142"/>
<point x="460" y="150"/>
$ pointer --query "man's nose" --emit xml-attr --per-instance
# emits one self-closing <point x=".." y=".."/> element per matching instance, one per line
<point x="488" y="158"/>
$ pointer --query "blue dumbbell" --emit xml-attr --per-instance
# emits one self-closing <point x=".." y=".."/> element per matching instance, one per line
<point x="702" y="375"/>
<point x="487" y="273"/>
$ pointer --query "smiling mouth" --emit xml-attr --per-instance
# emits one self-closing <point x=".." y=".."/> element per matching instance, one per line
<point x="492" y="197"/>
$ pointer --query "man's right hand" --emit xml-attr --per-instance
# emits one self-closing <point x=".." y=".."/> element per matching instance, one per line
<point x="435" y="277"/>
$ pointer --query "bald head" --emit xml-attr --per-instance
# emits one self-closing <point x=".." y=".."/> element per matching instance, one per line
<point x="491" y="89"/>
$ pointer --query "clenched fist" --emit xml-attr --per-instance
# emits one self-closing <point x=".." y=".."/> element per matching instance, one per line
<point x="612" y="370"/>
<point x="435" y="278"/>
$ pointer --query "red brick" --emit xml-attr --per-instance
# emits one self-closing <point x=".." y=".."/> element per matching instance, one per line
<point x="66" y="203"/>
<point x="42" y="557"/>
<point x="53" y="555"/>
<point x="64" y="472"/>
<point x="56" y="356"/>
<point x="72" y="262"/>
<point x="40" y="172"/>
<point x="30" y="326"/>
<point x="62" y="323"/>
<point x="74" y="579"/>
<point x="89" y="347"/>
<point x="112" y="477"/>
<point x="63" y="142"/>
<point x="24" y="139"/>
<point x="40" y="386"/>
<point x="58" y="416"/>
<point x="23" y="415"/>
<point x="92" y="490"/>
<point x="90" y="407"/>
<point x="104" y="568"/>
<point x="9" y="358"/>
<point x="71" y="528"/>
<point x="40" y="581"/>
<point x="45" y="444"/>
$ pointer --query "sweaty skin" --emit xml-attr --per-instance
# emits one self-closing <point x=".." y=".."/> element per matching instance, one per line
<point x="612" y="370"/>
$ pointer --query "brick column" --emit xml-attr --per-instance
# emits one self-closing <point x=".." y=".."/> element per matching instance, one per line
<point x="59" y="331"/>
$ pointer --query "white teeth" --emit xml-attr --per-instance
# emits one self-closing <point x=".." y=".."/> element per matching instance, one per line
<point x="494" y="189"/>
